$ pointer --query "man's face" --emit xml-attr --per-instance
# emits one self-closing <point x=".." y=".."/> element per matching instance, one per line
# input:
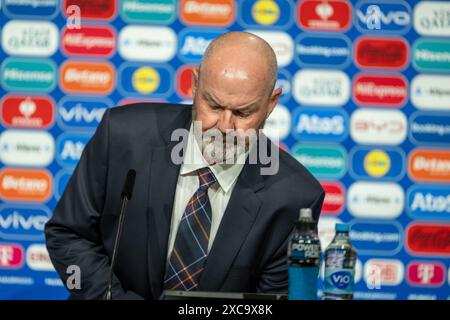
<point x="232" y="103"/>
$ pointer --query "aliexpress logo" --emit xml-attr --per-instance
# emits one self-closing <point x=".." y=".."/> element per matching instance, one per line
<point x="25" y="185"/>
<point x="218" y="13"/>
<point x="87" y="77"/>
<point x="97" y="41"/>
<point x="428" y="239"/>
<point x="37" y="112"/>
<point x="385" y="53"/>
<point x="429" y="165"/>
<point x="333" y="15"/>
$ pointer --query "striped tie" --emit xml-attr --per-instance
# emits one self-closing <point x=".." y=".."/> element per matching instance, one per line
<point x="191" y="243"/>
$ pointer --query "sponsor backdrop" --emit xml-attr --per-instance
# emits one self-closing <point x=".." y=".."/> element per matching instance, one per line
<point x="366" y="108"/>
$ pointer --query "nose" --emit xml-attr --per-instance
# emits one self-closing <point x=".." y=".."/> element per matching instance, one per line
<point x="226" y="121"/>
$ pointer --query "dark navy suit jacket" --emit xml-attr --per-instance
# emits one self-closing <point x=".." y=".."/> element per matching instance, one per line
<point x="249" y="253"/>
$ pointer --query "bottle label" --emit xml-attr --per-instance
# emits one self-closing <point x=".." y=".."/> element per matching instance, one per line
<point x="303" y="283"/>
<point x="338" y="280"/>
<point x="301" y="251"/>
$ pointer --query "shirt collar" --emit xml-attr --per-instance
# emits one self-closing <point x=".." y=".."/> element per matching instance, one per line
<point x="226" y="174"/>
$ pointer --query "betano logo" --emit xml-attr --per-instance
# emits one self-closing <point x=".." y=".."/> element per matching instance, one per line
<point x="384" y="272"/>
<point x="144" y="11"/>
<point x="429" y="165"/>
<point x="87" y="77"/>
<point x="334" y="201"/>
<point x="429" y="202"/>
<point x="380" y="90"/>
<point x="432" y="18"/>
<point x="30" y="38"/>
<point x="23" y="223"/>
<point x="333" y="15"/>
<point x="431" y="92"/>
<point x="12" y="256"/>
<point x="218" y="13"/>
<point x="92" y="9"/>
<point x="266" y="12"/>
<point x="428" y="239"/>
<point x="36" y="112"/>
<point x="381" y="53"/>
<point x="25" y="185"/>
<point x="426" y="273"/>
<point x="89" y="40"/>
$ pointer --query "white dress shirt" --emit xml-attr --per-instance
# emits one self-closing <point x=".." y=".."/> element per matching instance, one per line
<point x="219" y="192"/>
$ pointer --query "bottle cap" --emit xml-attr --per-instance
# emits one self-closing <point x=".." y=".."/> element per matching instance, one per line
<point x="342" y="227"/>
<point x="305" y="213"/>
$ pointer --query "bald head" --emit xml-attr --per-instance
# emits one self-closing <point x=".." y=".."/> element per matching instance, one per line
<point x="242" y="55"/>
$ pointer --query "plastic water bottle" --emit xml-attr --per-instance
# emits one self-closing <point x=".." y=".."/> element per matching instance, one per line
<point x="340" y="260"/>
<point x="304" y="254"/>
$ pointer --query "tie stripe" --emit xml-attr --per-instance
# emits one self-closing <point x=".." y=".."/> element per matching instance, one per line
<point x="189" y="253"/>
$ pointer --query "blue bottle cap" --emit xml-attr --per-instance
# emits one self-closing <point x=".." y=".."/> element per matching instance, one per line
<point x="342" y="227"/>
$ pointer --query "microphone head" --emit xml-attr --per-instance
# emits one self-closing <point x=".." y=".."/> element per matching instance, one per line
<point x="127" y="190"/>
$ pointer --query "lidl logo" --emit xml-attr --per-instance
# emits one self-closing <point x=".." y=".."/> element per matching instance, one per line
<point x="30" y="9"/>
<point x="381" y="53"/>
<point x="430" y="128"/>
<point x="20" y="111"/>
<point x="431" y="18"/>
<point x="218" y="13"/>
<point x="380" y="90"/>
<point x="81" y="113"/>
<point x="28" y="75"/>
<point x="272" y="13"/>
<point x="431" y="55"/>
<point x="320" y="124"/>
<point x="323" y="161"/>
<point x="425" y="273"/>
<point x="431" y="92"/>
<point x="89" y="40"/>
<point x="12" y="256"/>
<point x="146" y="80"/>
<point x="332" y="51"/>
<point x="69" y="148"/>
<point x="85" y="77"/>
<point x="24" y="223"/>
<point x="375" y="163"/>
<point x="429" y="165"/>
<point x="428" y="239"/>
<point x="334" y="201"/>
<point x="192" y="43"/>
<point x="317" y="15"/>
<point x="429" y="202"/>
<point x="29" y="185"/>
<point x="378" y="239"/>
<point x="392" y="16"/>
<point x="148" y="11"/>
<point x="92" y="9"/>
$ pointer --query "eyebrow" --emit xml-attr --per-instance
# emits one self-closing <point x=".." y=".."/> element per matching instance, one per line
<point x="250" y="107"/>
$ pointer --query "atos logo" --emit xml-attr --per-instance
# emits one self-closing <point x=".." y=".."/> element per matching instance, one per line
<point x="317" y="15"/>
<point x="12" y="256"/>
<point x="31" y="9"/>
<point x="81" y="113"/>
<point x="392" y="16"/>
<point x="429" y="202"/>
<point x="381" y="164"/>
<point x="430" y="128"/>
<point x="320" y="124"/>
<point x="323" y="51"/>
<point x="426" y="274"/>
<point x="192" y="44"/>
<point x="428" y="239"/>
<point x="23" y="223"/>
<point x="69" y="149"/>
<point x="36" y="112"/>
<point x="334" y="201"/>
<point x="381" y="53"/>
<point x="276" y="14"/>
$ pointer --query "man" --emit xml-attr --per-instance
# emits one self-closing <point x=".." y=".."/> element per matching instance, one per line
<point x="205" y="224"/>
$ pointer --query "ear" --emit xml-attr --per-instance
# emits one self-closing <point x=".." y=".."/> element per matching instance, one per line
<point x="274" y="100"/>
<point x="194" y="81"/>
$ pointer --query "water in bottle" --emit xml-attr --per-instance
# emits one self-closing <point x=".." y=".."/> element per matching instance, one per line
<point x="340" y="260"/>
<point x="304" y="256"/>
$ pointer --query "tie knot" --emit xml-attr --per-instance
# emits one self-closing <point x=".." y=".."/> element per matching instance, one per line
<point x="206" y="177"/>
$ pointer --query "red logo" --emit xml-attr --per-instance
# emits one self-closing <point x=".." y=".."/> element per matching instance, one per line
<point x="387" y="53"/>
<point x="426" y="274"/>
<point x="27" y="111"/>
<point x="184" y="81"/>
<point x="11" y="256"/>
<point x="98" y="41"/>
<point x="333" y="15"/>
<point x="433" y="239"/>
<point x="334" y="198"/>
<point x="89" y="9"/>
<point x="380" y="90"/>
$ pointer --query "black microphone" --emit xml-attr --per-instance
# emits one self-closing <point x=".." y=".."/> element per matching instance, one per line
<point x="127" y="193"/>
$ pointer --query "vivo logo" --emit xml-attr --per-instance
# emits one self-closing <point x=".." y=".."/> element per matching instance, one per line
<point x="391" y="16"/>
<point x="81" y="113"/>
<point x="23" y="223"/>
